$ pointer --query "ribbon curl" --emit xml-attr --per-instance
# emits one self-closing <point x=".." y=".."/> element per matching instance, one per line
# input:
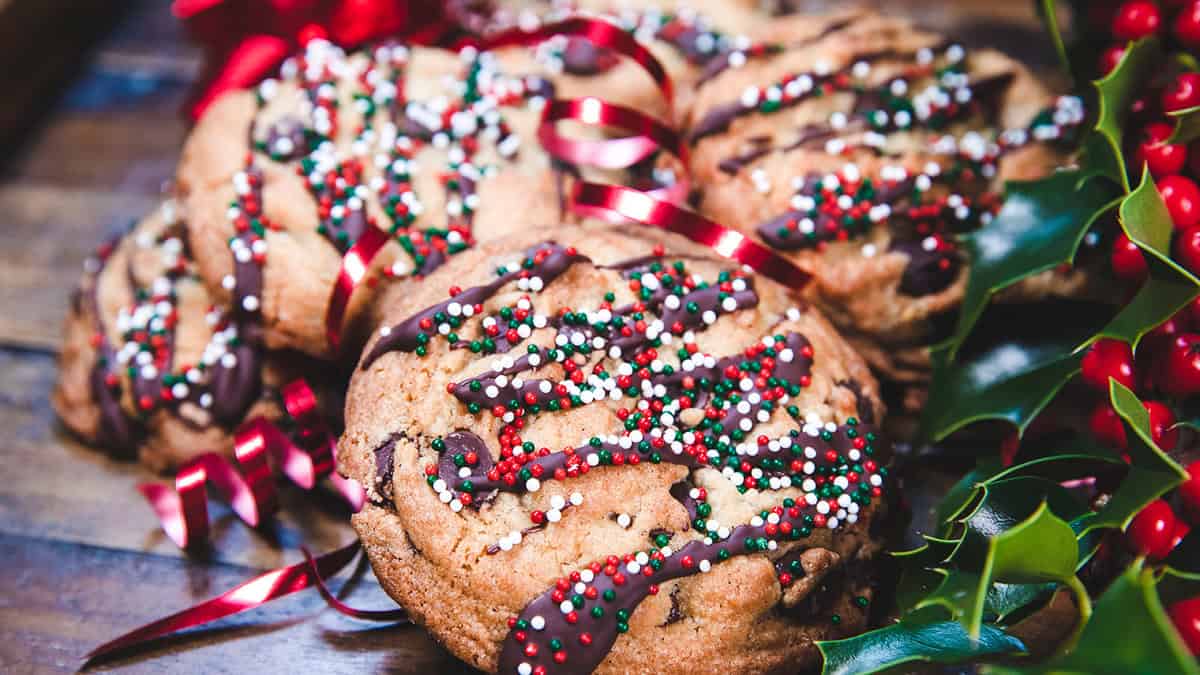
<point x="595" y="199"/>
<point x="251" y="491"/>
<point x="254" y="593"/>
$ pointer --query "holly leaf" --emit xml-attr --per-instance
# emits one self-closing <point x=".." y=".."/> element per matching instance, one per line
<point x="1011" y="381"/>
<point x="1187" y="124"/>
<point x="919" y="573"/>
<point x="1151" y="472"/>
<point x="1128" y="634"/>
<point x="1014" y="536"/>
<point x="1039" y="228"/>
<point x="1116" y="92"/>
<point x="1146" y="221"/>
<point x="920" y="637"/>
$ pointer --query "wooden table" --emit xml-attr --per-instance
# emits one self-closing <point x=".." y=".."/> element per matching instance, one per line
<point x="83" y="558"/>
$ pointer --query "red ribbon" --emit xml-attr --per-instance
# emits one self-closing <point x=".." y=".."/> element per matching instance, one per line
<point x="617" y="153"/>
<point x="245" y="40"/>
<point x="599" y="32"/>
<point x="251" y="492"/>
<point x="353" y="270"/>
<point x="593" y="199"/>
<point x="259" y="590"/>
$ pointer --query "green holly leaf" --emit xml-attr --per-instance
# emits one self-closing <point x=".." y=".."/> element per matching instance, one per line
<point x="1151" y="472"/>
<point x="1013" y="536"/>
<point x="1116" y="93"/>
<point x="1146" y="221"/>
<point x="919" y="573"/>
<point x="921" y="637"/>
<point x="1009" y="603"/>
<point x="1128" y="634"/>
<point x="1187" y="123"/>
<point x="1039" y="228"/>
<point x="1011" y="381"/>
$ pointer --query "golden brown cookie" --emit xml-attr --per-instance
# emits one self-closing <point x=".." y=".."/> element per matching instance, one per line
<point x="438" y="148"/>
<point x="150" y="365"/>
<point x="603" y="447"/>
<point x="860" y="147"/>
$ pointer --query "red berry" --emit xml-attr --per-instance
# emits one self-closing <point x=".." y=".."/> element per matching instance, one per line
<point x="1185" y="614"/>
<point x="1186" y="249"/>
<point x="1161" y="421"/>
<point x="1180" y="375"/>
<point x="1164" y="159"/>
<point x="1189" y="492"/>
<point x="1152" y="530"/>
<point x="1106" y="425"/>
<point x="1187" y="24"/>
<point x="1183" y="200"/>
<point x="1128" y="263"/>
<point x="1136" y="19"/>
<point x="1182" y="92"/>
<point x="1108" y="358"/>
<point x="1111" y="58"/>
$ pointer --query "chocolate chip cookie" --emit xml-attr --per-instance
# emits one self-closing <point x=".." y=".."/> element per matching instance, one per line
<point x="437" y="148"/>
<point x="150" y="365"/>
<point x="860" y="147"/>
<point x="605" y="448"/>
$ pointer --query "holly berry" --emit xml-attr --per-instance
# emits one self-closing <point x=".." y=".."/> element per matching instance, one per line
<point x="1110" y="58"/>
<point x="1128" y="262"/>
<point x="1164" y="159"/>
<point x="1182" y="92"/>
<point x="1189" y="493"/>
<point x="1108" y="358"/>
<point x="1161" y="422"/>
<point x="1183" y="200"/>
<point x="1185" y="614"/>
<point x="1152" y="530"/>
<point x="1186" y="26"/>
<point x="1180" y="375"/>
<point x="1106" y="426"/>
<point x="1136" y="19"/>
<point x="1186" y="249"/>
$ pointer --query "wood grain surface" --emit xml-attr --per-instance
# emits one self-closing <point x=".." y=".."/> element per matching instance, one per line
<point x="82" y="557"/>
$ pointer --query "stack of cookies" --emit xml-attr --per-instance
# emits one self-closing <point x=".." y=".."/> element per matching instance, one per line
<point x="585" y="446"/>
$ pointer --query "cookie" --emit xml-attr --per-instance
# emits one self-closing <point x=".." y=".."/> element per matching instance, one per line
<point x="150" y="365"/>
<point x="860" y="147"/>
<point x="606" y="448"/>
<point x="435" y="147"/>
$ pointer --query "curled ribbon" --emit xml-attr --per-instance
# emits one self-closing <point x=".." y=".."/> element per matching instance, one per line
<point x="594" y="199"/>
<point x="352" y="272"/>
<point x="251" y="491"/>
<point x="258" y="591"/>
<point x="599" y="32"/>
<point x="649" y="136"/>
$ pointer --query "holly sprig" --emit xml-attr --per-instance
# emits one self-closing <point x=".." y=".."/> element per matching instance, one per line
<point x="1011" y="534"/>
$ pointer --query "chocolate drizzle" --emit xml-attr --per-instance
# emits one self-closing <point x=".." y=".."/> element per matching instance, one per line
<point x="568" y="615"/>
<point x="928" y="271"/>
<point x="554" y="260"/>
<point x="582" y="57"/>
<point x="115" y="431"/>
